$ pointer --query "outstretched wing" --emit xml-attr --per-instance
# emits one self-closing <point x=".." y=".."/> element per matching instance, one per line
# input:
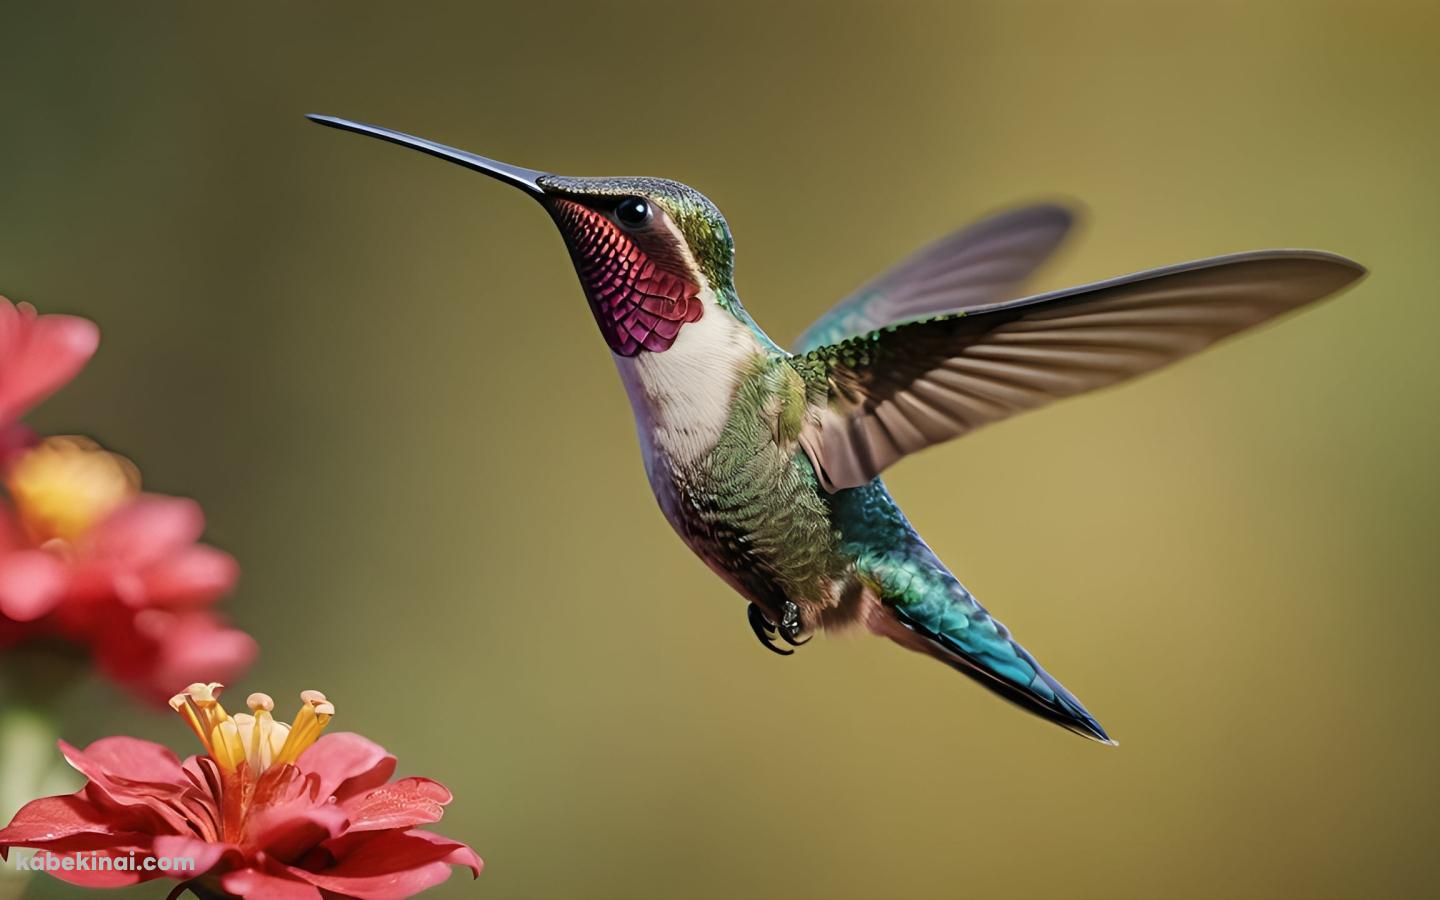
<point x="981" y="264"/>
<point x="900" y="389"/>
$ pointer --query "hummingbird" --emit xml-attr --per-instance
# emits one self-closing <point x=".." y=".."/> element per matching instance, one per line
<point x="767" y="461"/>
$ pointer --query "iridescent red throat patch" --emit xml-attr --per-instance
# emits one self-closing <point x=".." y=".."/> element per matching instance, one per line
<point x="638" y="305"/>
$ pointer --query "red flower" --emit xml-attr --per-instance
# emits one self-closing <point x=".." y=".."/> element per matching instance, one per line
<point x="38" y="355"/>
<point x="85" y="555"/>
<point x="269" y="812"/>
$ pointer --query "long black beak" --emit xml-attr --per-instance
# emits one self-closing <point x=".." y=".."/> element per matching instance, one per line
<point x="525" y="179"/>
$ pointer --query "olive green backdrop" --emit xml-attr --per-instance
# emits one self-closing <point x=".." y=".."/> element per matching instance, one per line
<point x="379" y="376"/>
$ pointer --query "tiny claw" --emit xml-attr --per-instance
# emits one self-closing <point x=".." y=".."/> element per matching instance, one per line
<point x="765" y="630"/>
<point x="790" y="626"/>
<point x="794" y="641"/>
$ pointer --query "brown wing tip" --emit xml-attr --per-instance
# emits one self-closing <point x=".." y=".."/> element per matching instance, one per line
<point x="1344" y="267"/>
<point x="1313" y="274"/>
<point x="1343" y="262"/>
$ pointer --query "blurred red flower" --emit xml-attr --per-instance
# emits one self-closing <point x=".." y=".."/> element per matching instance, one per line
<point x="270" y="811"/>
<point x="85" y="556"/>
<point x="38" y="355"/>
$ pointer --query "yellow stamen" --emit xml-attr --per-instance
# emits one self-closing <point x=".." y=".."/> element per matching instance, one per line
<point x="200" y="706"/>
<point x="181" y="704"/>
<point x="229" y="749"/>
<point x="65" y="485"/>
<point x="254" y="738"/>
<point x="309" y="722"/>
<point x="266" y="736"/>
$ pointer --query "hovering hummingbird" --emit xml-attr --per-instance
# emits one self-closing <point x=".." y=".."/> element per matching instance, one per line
<point x="767" y="461"/>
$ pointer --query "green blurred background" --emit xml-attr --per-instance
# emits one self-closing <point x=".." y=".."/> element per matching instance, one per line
<point x="379" y="376"/>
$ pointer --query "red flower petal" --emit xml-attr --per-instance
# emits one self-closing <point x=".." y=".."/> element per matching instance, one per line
<point x="73" y="826"/>
<point x="96" y="876"/>
<point x="461" y="855"/>
<point x="400" y="804"/>
<point x="147" y="529"/>
<point x="12" y="536"/>
<point x="467" y="857"/>
<point x="139" y="783"/>
<point x="206" y="855"/>
<point x="196" y="574"/>
<point x="126" y="760"/>
<point x="38" y="355"/>
<point x="394" y="886"/>
<point x="289" y="832"/>
<point x="159" y="652"/>
<point x="252" y="884"/>
<point x="200" y="647"/>
<point x="15" y="439"/>
<point x="32" y="583"/>
<point x="51" y="819"/>
<point x="390" y="866"/>
<point x="345" y="764"/>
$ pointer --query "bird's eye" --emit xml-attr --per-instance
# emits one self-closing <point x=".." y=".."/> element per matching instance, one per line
<point x="633" y="212"/>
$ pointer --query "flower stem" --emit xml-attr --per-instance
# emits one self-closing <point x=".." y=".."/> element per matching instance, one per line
<point x="198" y="890"/>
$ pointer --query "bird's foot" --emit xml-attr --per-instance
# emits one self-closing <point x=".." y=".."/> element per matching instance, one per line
<point x="789" y="630"/>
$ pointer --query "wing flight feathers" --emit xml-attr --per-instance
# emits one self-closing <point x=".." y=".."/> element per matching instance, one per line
<point x="900" y="389"/>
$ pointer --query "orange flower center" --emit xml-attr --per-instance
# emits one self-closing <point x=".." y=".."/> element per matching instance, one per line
<point x="252" y="743"/>
<point x="64" y="486"/>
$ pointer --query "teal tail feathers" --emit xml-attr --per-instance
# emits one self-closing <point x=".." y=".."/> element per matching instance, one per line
<point x="982" y="649"/>
<point x="925" y="608"/>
